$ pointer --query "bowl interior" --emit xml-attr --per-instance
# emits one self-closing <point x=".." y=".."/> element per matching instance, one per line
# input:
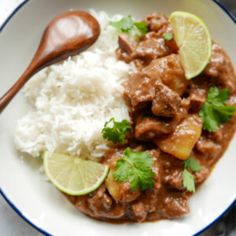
<point x="20" y="179"/>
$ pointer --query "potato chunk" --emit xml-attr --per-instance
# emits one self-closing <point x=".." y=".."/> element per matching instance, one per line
<point x="181" y="142"/>
<point x="169" y="70"/>
<point x="121" y="192"/>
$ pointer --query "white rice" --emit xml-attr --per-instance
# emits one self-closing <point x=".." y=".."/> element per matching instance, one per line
<point x="71" y="101"/>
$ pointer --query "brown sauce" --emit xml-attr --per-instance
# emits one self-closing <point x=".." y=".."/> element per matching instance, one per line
<point x="178" y="100"/>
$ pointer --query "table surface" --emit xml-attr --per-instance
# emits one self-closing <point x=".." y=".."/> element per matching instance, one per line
<point x="12" y="225"/>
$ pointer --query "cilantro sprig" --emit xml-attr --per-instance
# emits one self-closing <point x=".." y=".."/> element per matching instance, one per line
<point x="190" y="165"/>
<point x="115" y="131"/>
<point x="129" y="26"/>
<point x="215" y="111"/>
<point x="135" y="168"/>
<point x="141" y="26"/>
<point x="188" y="181"/>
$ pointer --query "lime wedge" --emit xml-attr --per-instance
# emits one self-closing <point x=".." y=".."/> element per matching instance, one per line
<point x="194" y="42"/>
<point x="72" y="175"/>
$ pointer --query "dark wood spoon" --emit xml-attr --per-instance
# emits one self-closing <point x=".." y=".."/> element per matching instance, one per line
<point x="66" y="35"/>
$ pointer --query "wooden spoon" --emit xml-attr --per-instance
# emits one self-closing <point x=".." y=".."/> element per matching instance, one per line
<point x="66" y="35"/>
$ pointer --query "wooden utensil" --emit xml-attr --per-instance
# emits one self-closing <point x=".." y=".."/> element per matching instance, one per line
<point x="66" y="35"/>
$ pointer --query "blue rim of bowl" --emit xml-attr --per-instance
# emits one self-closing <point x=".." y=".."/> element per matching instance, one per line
<point x="232" y="17"/>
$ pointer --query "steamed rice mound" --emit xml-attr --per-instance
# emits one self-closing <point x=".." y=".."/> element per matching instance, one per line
<point x="72" y="100"/>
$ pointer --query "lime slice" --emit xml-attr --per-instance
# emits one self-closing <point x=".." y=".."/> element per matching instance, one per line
<point x="72" y="175"/>
<point x="194" y="42"/>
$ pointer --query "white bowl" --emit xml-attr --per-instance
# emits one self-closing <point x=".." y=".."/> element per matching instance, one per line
<point x="25" y="188"/>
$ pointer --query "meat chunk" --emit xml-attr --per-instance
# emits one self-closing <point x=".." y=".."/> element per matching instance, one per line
<point x="149" y="127"/>
<point x="197" y="99"/>
<point x="157" y="22"/>
<point x="100" y="205"/>
<point x="139" y="64"/>
<point x="195" y="94"/>
<point x="172" y="170"/>
<point x="217" y="136"/>
<point x="221" y="68"/>
<point x="101" y="200"/>
<point x="156" y="169"/>
<point x="139" y="90"/>
<point x="125" y="44"/>
<point x="169" y="71"/>
<point x="201" y="176"/>
<point x="123" y="56"/>
<point x="139" y="211"/>
<point x="173" y="174"/>
<point x="170" y="44"/>
<point x="126" y="48"/>
<point x="173" y="178"/>
<point x="147" y="49"/>
<point x="166" y="102"/>
<point x="175" y="207"/>
<point x="209" y="148"/>
<point x="167" y="106"/>
<point x="146" y="206"/>
<point x="152" y="48"/>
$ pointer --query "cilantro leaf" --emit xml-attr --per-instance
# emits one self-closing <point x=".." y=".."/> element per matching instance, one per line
<point x="209" y="117"/>
<point x="129" y="26"/>
<point x="192" y="164"/>
<point x="168" y="36"/>
<point x="142" y="27"/>
<point x="135" y="168"/>
<point x="116" y="131"/>
<point x="217" y="95"/>
<point x="215" y="111"/>
<point x="124" y="25"/>
<point x="188" y="181"/>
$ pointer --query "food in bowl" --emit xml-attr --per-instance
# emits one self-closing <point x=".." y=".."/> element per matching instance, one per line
<point x="131" y="127"/>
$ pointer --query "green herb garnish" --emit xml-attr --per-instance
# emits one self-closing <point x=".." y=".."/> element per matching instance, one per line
<point x="141" y="26"/>
<point x="190" y="165"/>
<point x="129" y="26"/>
<point x="115" y="131"/>
<point x="214" y="111"/>
<point x="124" y="25"/>
<point x="188" y="181"/>
<point x="135" y="168"/>
<point x="168" y="36"/>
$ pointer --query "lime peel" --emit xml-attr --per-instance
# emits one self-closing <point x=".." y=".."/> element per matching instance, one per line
<point x="72" y="175"/>
<point x="194" y="41"/>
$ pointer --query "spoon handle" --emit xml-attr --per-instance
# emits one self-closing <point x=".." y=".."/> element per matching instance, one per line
<point x="10" y="94"/>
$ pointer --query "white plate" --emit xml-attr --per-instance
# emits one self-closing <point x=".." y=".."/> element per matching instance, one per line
<point x="38" y="201"/>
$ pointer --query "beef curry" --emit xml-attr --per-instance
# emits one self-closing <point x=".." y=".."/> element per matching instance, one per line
<point x="167" y="112"/>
